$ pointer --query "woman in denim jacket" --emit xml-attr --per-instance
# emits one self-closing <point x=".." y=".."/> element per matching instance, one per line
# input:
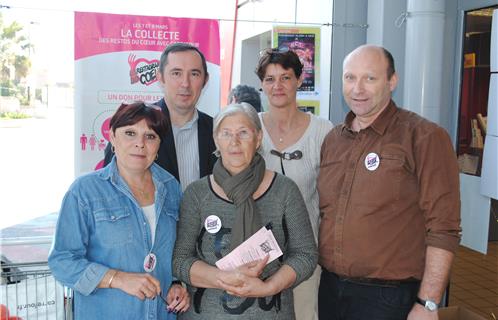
<point x="117" y="228"/>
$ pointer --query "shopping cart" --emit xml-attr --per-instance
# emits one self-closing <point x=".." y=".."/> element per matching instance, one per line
<point x="29" y="291"/>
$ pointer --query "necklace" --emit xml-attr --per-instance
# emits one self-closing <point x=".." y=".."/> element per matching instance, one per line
<point x="140" y="192"/>
<point x="278" y="132"/>
<point x="145" y="195"/>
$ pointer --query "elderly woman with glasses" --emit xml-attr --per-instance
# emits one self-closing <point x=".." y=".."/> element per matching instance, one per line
<point x="221" y="211"/>
<point x="292" y="140"/>
<point x="117" y="226"/>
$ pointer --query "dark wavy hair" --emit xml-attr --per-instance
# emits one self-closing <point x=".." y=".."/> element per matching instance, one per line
<point x="288" y="59"/>
<point x="129" y="114"/>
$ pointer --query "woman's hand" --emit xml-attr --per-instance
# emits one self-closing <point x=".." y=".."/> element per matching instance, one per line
<point x="140" y="285"/>
<point x="255" y="268"/>
<point x="178" y="299"/>
<point x="244" y="281"/>
<point x="245" y="286"/>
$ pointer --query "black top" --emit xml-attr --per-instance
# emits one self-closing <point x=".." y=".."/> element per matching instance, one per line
<point x="167" y="151"/>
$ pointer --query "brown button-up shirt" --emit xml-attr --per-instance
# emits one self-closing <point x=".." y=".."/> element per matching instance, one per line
<point x="386" y="192"/>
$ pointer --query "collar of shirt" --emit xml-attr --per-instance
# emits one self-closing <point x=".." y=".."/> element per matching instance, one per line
<point x="379" y="125"/>
<point x="188" y="125"/>
<point x="163" y="180"/>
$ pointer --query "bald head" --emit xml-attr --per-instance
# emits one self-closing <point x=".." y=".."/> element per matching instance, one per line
<point x="368" y="80"/>
<point x="380" y="53"/>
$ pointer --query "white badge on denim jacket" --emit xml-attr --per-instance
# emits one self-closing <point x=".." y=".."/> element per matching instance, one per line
<point x="150" y="262"/>
<point x="372" y="161"/>
<point x="212" y="224"/>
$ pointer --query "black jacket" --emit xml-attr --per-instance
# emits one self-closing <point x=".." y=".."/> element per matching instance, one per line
<point x="167" y="152"/>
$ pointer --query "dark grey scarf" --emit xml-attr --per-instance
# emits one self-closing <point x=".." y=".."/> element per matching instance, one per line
<point x="239" y="189"/>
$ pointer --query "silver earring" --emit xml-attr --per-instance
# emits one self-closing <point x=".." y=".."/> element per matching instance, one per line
<point x="113" y="149"/>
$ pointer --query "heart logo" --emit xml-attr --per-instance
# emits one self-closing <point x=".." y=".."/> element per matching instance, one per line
<point x="142" y="70"/>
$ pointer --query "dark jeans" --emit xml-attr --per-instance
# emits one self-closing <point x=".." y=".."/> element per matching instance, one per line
<point x="347" y="299"/>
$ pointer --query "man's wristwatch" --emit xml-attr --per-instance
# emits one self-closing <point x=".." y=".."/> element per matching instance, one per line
<point x="428" y="304"/>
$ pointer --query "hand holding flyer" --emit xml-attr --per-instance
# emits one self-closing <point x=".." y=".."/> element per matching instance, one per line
<point x="259" y="245"/>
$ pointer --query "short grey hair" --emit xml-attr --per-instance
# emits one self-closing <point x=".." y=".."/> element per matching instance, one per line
<point x="244" y="93"/>
<point x="237" y="108"/>
<point x="233" y="109"/>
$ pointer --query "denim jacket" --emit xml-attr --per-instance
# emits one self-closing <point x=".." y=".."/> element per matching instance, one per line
<point x="102" y="226"/>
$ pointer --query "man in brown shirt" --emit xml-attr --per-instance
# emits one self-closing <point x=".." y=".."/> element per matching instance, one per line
<point x="389" y="201"/>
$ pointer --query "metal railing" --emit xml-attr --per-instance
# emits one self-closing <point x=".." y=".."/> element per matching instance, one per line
<point x="29" y="291"/>
<point x="26" y="241"/>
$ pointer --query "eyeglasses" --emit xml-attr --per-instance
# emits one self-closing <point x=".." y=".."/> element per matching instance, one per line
<point x="139" y="103"/>
<point x="271" y="51"/>
<point x="240" y="135"/>
<point x="152" y="106"/>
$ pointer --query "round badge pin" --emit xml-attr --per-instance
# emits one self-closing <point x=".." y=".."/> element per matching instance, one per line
<point x="372" y="161"/>
<point x="150" y="262"/>
<point x="212" y="224"/>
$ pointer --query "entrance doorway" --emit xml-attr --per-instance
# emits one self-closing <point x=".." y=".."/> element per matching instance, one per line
<point x="474" y="279"/>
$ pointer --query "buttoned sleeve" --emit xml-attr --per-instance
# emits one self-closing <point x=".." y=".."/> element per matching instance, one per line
<point x="67" y="259"/>
<point x="438" y="176"/>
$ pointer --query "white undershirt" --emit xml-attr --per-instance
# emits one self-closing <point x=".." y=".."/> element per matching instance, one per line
<point x="150" y="214"/>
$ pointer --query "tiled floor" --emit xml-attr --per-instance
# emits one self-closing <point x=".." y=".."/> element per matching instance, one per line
<point x="474" y="280"/>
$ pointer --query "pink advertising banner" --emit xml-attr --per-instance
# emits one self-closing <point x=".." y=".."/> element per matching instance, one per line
<point x="116" y="60"/>
<point x="98" y="33"/>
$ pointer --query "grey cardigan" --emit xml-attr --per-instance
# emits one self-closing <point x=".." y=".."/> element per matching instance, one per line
<point x="283" y="206"/>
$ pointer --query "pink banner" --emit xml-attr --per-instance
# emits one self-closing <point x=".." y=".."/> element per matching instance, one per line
<point x="99" y="33"/>
<point x="116" y="60"/>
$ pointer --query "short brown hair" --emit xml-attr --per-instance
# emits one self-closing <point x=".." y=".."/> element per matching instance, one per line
<point x="288" y="59"/>
<point x="390" y="63"/>
<point x="129" y="114"/>
<point x="182" y="47"/>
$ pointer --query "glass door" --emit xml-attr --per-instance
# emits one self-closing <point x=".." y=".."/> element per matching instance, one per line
<point x="474" y="89"/>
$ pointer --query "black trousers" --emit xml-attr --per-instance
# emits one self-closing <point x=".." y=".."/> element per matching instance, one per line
<point x="347" y="299"/>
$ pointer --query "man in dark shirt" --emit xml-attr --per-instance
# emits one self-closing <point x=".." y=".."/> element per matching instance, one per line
<point x="187" y="151"/>
<point x="389" y="202"/>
